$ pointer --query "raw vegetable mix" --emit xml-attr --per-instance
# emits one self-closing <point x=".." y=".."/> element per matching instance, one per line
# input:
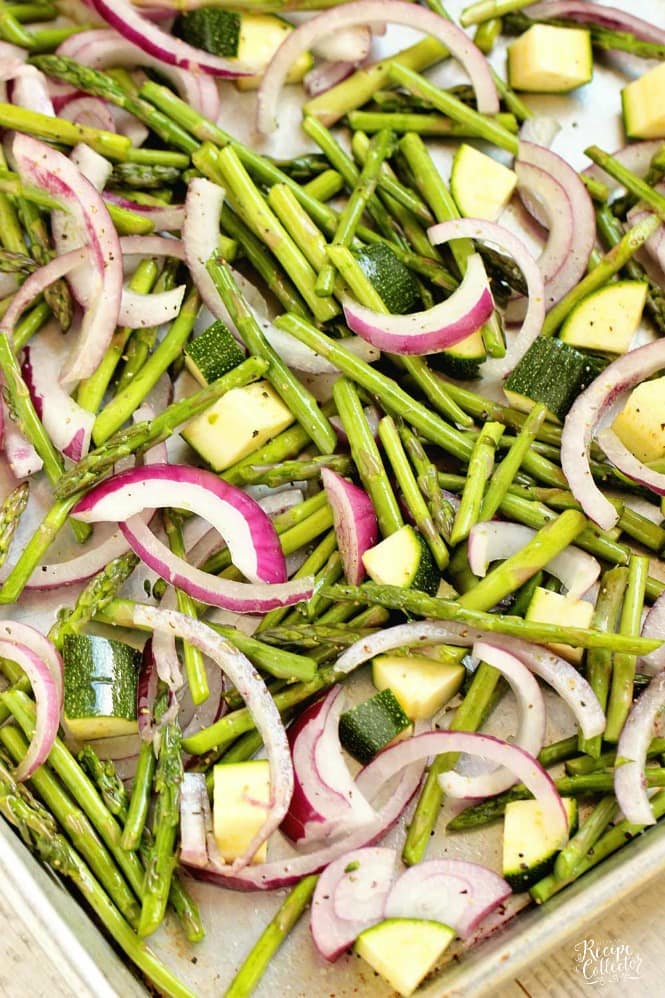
<point x="333" y="455"/>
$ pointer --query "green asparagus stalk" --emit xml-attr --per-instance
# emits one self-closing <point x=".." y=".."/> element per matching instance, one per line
<point x="35" y="549"/>
<point x="420" y="124"/>
<point x="611" y="233"/>
<point x="39" y="831"/>
<point x="379" y="150"/>
<point x="30" y="324"/>
<point x="314" y="635"/>
<point x="443" y="514"/>
<point x="11" y="185"/>
<point x="623" y="668"/>
<point x="102" y="773"/>
<point x="125" y="402"/>
<point x="146" y="434"/>
<point x="599" y="661"/>
<point x="80" y="787"/>
<point x="295" y="471"/>
<point x="300" y="401"/>
<point x="77" y="827"/>
<point x="313" y="564"/>
<point x="638" y="187"/>
<point x="278" y="663"/>
<point x="295" y="220"/>
<point x="144" y="176"/>
<point x="392" y="444"/>
<point x="142" y="341"/>
<point x="65" y="132"/>
<point x="162" y="861"/>
<point x="487" y="34"/>
<point x="97" y="594"/>
<point x="11" y="512"/>
<point x="435" y="389"/>
<point x="480" y="470"/>
<point x="11" y="29"/>
<point x="366" y="457"/>
<point x="139" y="802"/>
<point x="90" y="393"/>
<point x="57" y="295"/>
<point x="505" y="472"/>
<point x="612" y="262"/>
<point x="584" y="840"/>
<point x="485" y="10"/>
<point x="195" y="669"/>
<point x="271" y="939"/>
<point x="324" y="187"/>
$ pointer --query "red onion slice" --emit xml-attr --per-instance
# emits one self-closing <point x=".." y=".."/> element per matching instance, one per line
<point x="573" y="688"/>
<point x="358" y="882"/>
<point x="496" y="540"/>
<point x="618" y="454"/>
<point x="68" y="425"/>
<point x="150" y="38"/>
<point x="636" y="157"/>
<point x="35" y="284"/>
<point x="168" y="218"/>
<point x="251" y="538"/>
<point x="48" y="700"/>
<point x="325" y="800"/>
<point x="285" y="872"/>
<point x="350" y="44"/>
<point x="30" y="90"/>
<point x="193" y="843"/>
<point x="200" y="238"/>
<point x="474" y="228"/>
<point x="596" y="13"/>
<point x="452" y="891"/>
<point x="629" y="782"/>
<point x="365" y="12"/>
<point x="146" y="691"/>
<point x="90" y="111"/>
<point x="326" y="75"/>
<point x="531" y="727"/>
<point x="435" y="329"/>
<point x="44" y="166"/>
<point x="102" y="48"/>
<point x="22" y="457"/>
<point x="525" y="767"/>
<point x="654" y="627"/>
<point x="621" y="375"/>
<point x="258" y="700"/>
<point x="30" y="637"/>
<point x="356" y="525"/>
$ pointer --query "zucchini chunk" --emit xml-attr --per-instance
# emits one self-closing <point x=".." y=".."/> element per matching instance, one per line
<point x="643" y="104"/>
<point x="101" y="677"/>
<point x="366" y="729"/>
<point x="641" y="422"/>
<point x="241" y="798"/>
<point x="404" y="950"/>
<point x="481" y="186"/>
<point x="551" y="372"/>
<point x="403" y="559"/>
<point x="550" y="60"/>
<point x="212" y="353"/>
<point x="606" y="320"/>
<point x="422" y="685"/>
<point x="553" y="608"/>
<point x="529" y="847"/>
<point x="391" y="279"/>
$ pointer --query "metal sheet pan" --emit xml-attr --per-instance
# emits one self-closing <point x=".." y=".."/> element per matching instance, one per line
<point x="90" y="966"/>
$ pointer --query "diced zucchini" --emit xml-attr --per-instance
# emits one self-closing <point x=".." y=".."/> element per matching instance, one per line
<point x="393" y="281"/>
<point x="551" y="372"/>
<point x="608" y="319"/>
<point x="211" y="29"/>
<point x="420" y="683"/>
<point x="404" y="950"/>
<point x="241" y="800"/>
<point x="100" y="680"/>
<point x="212" y="353"/>
<point x="641" y="422"/>
<point x="463" y="360"/>
<point x="481" y="186"/>
<point x="260" y="37"/>
<point x="643" y="103"/>
<point x="237" y="424"/>
<point x="548" y="59"/>
<point x="548" y="607"/>
<point x="403" y="559"/>
<point x="530" y="847"/>
<point x="366" y="729"/>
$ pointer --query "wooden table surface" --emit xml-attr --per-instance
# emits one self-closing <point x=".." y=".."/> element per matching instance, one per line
<point x="26" y="973"/>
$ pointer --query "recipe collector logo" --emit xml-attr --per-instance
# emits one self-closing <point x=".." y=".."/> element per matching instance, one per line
<point x="606" y="962"/>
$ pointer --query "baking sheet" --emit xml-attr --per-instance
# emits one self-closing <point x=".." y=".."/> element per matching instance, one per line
<point x="234" y="921"/>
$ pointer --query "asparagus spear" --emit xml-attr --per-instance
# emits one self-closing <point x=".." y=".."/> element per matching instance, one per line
<point x="623" y="670"/>
<point x="420" y="124"/>
<point x="142" y="341"/>
<point x="102" y="773"/>
<point x="505" y="472"/>
<point x="137" y="812"/>
<point x="65" y="132"/>
<point x="11" y="512"/>
<point x="294" y="471"/>
<point x="97" y="594"/>
<point x="481" y="464"/>
<point x="39" y="831"/>
<point x="57" y="295"/>
<point x="584" y="840"/>
<point x="143" y="435"/>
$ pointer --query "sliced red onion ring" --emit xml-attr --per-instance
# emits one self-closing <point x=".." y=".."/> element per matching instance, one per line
<point x="621" y="375"/>
<point x="285" y="872"/>
<point x="636" y="157"/>
<point x="541" y="129"/>
<point x="146" y="691"/>
<point x="44" y="166"/>
<point x="372" y="415"/>
<point x="358" y="882"/>
<point x="629" y="782"/>
<point x="531" y="728"/>
<point x="168" y="218"/>
<point x="47" y="701"/>
<point x="654" y="627"/>
<point x="193" y="843"/>
<point x="435" y="329"/>
<point x="350" y="44"/>
<point x="496" y="540"/>
<point x="200" y="238"/>
<point x="366" y="12"/>
<point x="250" y="536"/>
<point x="525" y="767"/>
<point x="102" y="48"/>
<point x="22" y="457"/>
<point x="567" y="210"/>
<point x="326" y="75"/>
<point x="150" y="38"/>
<point x="35" y="284"/>
<point x="453" y="891"/>
<point x="152" y="246"/>
<point x="68" y="425"/>
<point x="258" y="700"/>
<point x="618" y="454"/>
<point x="356" y="525"/>
<point x="573" y="688"/>
<point x="11" y="59"/>
<point x="473" y="228"/>
<point x="601" y="14"/>
<point x="90" y="111"/>
<point x="126" y="124"/>
<point x="30" y="637"/>
<point x="30" y="90"/>
<point x="325" y="802"/>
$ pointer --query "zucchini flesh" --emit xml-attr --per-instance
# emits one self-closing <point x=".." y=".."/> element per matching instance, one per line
<point x="100" y="683"/>
<point x="366" y="729"/>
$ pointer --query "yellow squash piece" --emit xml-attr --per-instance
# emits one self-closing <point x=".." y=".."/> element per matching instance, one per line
<point x="547" y="59"/>
<point x="404" y="950"/>
<point x="643" y="103"/>
<point x="422" y="685"/>
<point x="641" y="422"/>
<point x="552" y="608"/>
<point x="241" y="799"/>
